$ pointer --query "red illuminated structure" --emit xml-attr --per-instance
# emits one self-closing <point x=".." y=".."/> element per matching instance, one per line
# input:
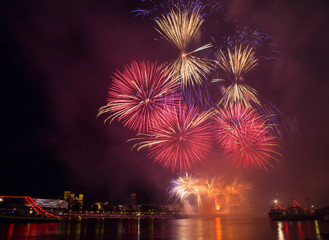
<point x="23" y="208"/>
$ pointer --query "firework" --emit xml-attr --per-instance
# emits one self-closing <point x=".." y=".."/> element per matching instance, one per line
<point x="138" y="95"/>
<point x="179" y="27"/>
<point x="234" y="194"/>
<point x="180" y="140"/>
<point x="213" y="187"/>
<point x="246" y="137"/>
<point x="190" y="69"/>
<point x="186" y="187"/>
<point x="237" y="63"/>
<point x="211" y="195"/>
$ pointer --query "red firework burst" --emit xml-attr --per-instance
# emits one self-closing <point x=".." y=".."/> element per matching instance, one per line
<point x="138" y="95"/>
<point x="246" y="137"/>
<point x="181" y="140"/>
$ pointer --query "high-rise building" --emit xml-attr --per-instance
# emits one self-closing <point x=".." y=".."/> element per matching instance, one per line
<point x="133" y="198"/>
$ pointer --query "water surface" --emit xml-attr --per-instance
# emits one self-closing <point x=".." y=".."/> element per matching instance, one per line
<point x="223" y="228"/>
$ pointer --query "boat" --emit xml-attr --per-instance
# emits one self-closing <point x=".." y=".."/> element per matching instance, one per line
<point x="293" y="214"/>
<point x="296" y="212"/>
<point x="23" y="209"/>
<point x="278" y="214"/>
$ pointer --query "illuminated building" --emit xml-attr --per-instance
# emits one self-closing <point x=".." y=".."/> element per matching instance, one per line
<point x="51" y="203"/>
<point x="75" y="200"/>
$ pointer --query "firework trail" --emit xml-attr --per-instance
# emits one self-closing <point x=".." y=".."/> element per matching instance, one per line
<point x="180" y="140"/>
<point x="248" y="38"/>
<point x="283" y="125"/>
<point x="178" y="27"/>
<point x="237" y="63"/>
<point x="200" y="95"/>
<point x="246" y="137"/>
<point x="138" y="95"/>
<point x="152" y="7"/>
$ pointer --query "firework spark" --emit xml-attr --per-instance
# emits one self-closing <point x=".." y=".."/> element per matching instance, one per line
<point x="181" y="140"/>
<point x="246" y="137"/>
<point x="138" y="95"/>
<point x="237" y="63"/>
<point x="179" y="27"/>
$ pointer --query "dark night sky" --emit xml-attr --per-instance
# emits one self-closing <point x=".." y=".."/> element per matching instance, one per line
<point x="56" y="61"/>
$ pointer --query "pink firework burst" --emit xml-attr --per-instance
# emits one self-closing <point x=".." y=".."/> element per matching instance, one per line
<point x="246" y="136"/>
<point x="181" y="140"/>
<point x="138" y="95"/>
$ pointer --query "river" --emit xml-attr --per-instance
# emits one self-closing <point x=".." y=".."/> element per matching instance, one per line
<point x="223" y="228"/>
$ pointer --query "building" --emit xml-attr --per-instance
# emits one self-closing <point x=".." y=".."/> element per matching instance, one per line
<point x="54" y="204"/>
<point x="75" y="200"/>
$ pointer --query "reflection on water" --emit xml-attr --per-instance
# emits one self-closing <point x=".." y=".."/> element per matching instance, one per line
<point x="227" y="227"/>
<point x="21" y="230"/>
<point x="218" y="229"/>
<point x="286" y="230"/>
<point x="280" y="231"/>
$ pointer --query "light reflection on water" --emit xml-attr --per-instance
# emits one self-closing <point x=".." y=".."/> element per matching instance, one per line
<point x="280" y="231"/>
<point x="223" y="228"/>
<point x="218" y="229"/>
